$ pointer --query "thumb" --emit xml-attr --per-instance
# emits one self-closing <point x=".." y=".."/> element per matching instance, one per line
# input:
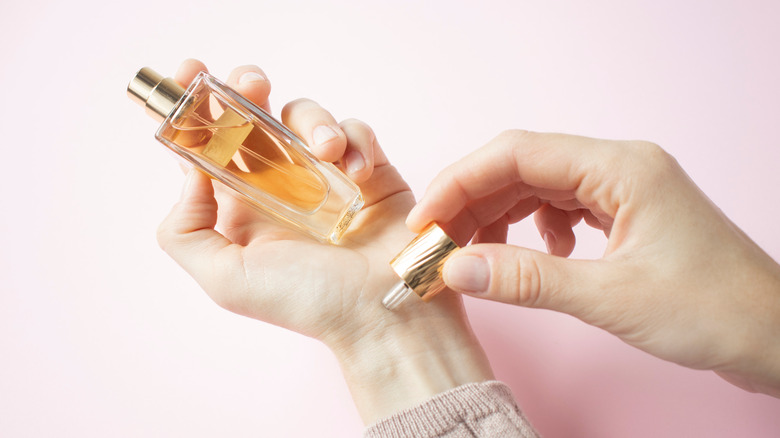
<point x="187" y="234"/>
<point x="525" y="277"/>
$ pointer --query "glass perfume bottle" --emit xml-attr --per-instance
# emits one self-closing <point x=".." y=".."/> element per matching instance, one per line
<point x="217" y="130"/>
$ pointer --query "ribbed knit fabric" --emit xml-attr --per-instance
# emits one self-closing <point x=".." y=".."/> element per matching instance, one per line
<point x="485" y="409"/>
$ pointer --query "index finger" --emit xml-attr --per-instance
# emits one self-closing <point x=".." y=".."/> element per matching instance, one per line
<point x="545" y="163"/>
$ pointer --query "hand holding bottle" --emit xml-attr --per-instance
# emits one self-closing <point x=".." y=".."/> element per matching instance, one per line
<point x="255" y="267"/>
<point x="678" y="279"/>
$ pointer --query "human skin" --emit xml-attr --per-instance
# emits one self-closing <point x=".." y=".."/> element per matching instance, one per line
<point x="255" y="267"/>
<point x="678" y="279"/>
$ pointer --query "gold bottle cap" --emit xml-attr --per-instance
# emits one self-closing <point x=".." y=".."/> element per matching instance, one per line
<point x="157" y="94"/>
<point x="420" y="264"/>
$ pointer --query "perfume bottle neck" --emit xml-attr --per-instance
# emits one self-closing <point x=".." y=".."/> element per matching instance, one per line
<point x="159" y="95"/>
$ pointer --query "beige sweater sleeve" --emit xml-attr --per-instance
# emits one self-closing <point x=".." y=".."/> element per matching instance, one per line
<point x="484" y="409"/>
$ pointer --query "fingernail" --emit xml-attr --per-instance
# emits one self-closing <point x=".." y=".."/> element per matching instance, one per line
<point x="323" y="134"/>
<point x="355" y="162"/>
<point x="469" y="274"/>
<point x="251" y="76"/>
<point x="411" y="218"/>
<point x="413" y="211"/>
<point x="549" y="240"/>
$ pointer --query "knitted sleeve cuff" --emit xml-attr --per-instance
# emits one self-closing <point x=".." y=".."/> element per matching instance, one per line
<point x="485" y="409"/>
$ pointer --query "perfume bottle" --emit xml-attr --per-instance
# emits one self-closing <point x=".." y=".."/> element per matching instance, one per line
<point x="419" y="266"/>
<point x="217" y="130"/>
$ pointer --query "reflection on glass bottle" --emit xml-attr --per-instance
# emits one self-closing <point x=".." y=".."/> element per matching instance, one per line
<point x="237" y="143"/>
<point x="251" y="153"/>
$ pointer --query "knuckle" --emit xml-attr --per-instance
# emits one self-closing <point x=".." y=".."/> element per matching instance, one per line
<point x="513" y="135"/>
<point x="649" y="150"/>
<point x="528" y="288"/>
<point x="358" y="132"/>
<point x="296" y="105"/>
<point x="653" y="158"/>
<point x="356" y="124"/>
<point x="165" y="236"/>
<point x="512" y="141"/>
<point x="448" y="176"/>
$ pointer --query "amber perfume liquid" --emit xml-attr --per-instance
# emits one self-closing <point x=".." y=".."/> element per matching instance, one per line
<point x="218" y="130"/>
<point x="252" y="154"/>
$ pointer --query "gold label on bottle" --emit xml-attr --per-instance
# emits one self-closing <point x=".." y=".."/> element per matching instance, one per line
<point x="231" y="129"/>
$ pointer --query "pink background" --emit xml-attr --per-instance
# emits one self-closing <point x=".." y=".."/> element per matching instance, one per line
<point x="102" y="335"/>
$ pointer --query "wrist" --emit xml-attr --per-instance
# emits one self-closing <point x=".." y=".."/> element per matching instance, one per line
<point x="740" y="331"/>
<point x="407" y="358"/>
<point x="757" y="365"/>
